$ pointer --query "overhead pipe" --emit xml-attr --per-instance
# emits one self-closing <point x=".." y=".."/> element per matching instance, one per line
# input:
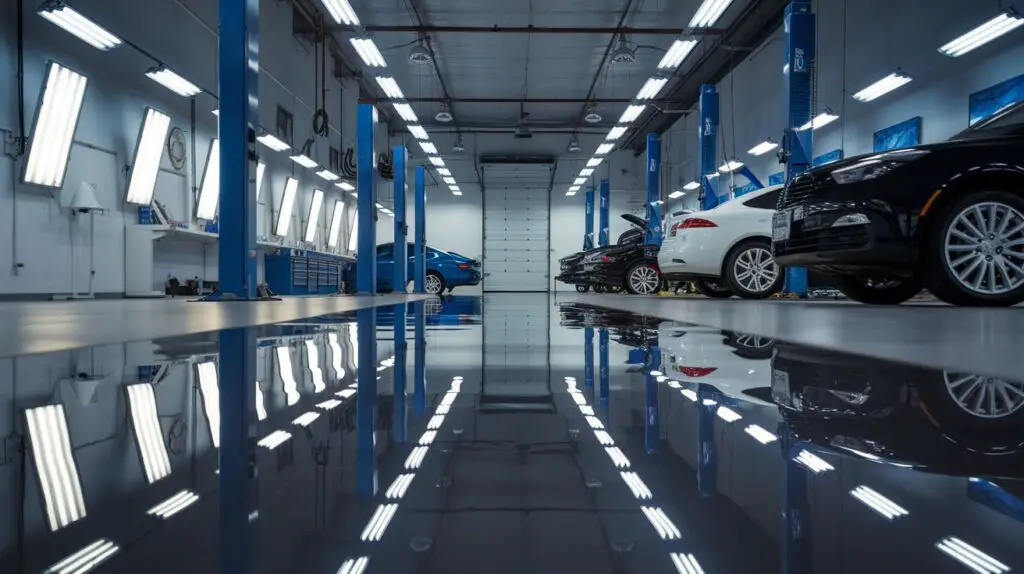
<point x="424" y="100"/>
<point x="541" y="30"/>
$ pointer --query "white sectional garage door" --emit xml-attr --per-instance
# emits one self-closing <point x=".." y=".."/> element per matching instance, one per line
<point x="517" y="217"/>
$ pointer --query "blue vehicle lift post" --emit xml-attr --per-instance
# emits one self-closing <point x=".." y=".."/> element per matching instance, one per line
<point x="366" y="401"/>
<point x="652" y="234"/>
<point x="707" y="133"/>
<point x="420" y="264"/>
<point x="399" y="418"/>
<point x="419" y="374"/>
<point x="707" y="450"/>
<point x="798" y="144"/>
<point x="604" y="207"/>
<point x="588" y="223"/>
<point x="652" y="430"/>
<point x="795" y="538"/>
<point x="401" y="250"/>
<point x="366" y="200"/>
<point x="603" y="371"/>
<point x="588" y="357"/>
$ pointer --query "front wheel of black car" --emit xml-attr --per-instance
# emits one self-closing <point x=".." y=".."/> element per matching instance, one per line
<point x="712" y="289"/>
<point x="975" y="253"/>
<point x="751" y="271"/>
<point x="582" y="288"/>
<point x="643" y="279"/>
<point x="872" y="291"/>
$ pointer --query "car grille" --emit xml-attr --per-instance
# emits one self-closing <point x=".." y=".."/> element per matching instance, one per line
<point x="798" y="191"/>
<point x="839" y="239"/>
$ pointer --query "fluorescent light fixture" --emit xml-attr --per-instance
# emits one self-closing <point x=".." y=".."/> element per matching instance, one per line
<point x="604" y="148"/>
<point x="342" y="12"/>
<point x="172" y="81"/>
<point x="346" y="186"/>
<point x="449" y="180"/>
<point x="674" y="384"/>
<point x="215" y="112"/>
<point x="821" y="120"/>
<point x="579" y="181"/>
<point x="55" y="124"/>
<point x="686" y="563"/>
<point x="415" y="458"/>
<point x="78" y="25"/>
<point x="353" y="237"/>
<point x="354" y="565"/>
<point x="306" y="419"/>
<point x="313" y="219"/>
<point x="709" y="402"/>
<point x="303" y="160"/>
<point x="418" y="132"/>
<point x="595" y="423"/>
<point x="586" y="172"/>
<point x="983" y="34"/>
<point x="442" y="410"/>
<point x="594" y="161"/>
<point x="632" y="112"/>
<point x="437" y="161"/>
<point x="636" y="485"/>
<point x="578" y="397"/>
<point x="887" y="84"/>
<point x="443" y="171"/>
<point x="209" y="192"/>
<point x="368" y="52"/>
<point x="617" y="456"/>
<point x="378" y="523"/>
<point x="760" y="434"/>
<point x="261" y="403"/>
<point x="712" y="175"/>
<point x="667" y="530"/>
<point x="813" y="462"/>
<point x="427" y="437"/>
<point x="149" y="150"/>
<point x="273" y="142"/>
<point x="329" y="404"/>
<point x="763" y="148"/>
<point x="345" y="393"/>
<point x="691" y="186"/>
<point x="730" y="166"/>
<point x="970" y="556"/>
<point x="587" y="410"/>
<point x="616" y="133"/>
<point x="148" y="435"/>
<point x="650" y="89"/>
<point x="399" y="486"/>
<point x="689" y="393"/>
<point x="456" y="192"/>
<point x="449" y="398"/>
<point x="328" y="175"/>
<point x="435" y="422"/>
<point x="728" y="415"/>
<point x="210" y="391"/>
<point x="880" y="504"/>
<point x="455" y="189"/>
<point x="676" y="53"/>
<point x="284" y="368"/>
<point x="261" y="169"/>
<point x="332" y="241"/>
<point x="676" y="194"/>
<point x="390" y="87"/>
<point x="427" y="147"/>
<point x="709" y="13"/>
<point x="574" y="189"/>
<point x="604" y="438"/>
<point x="284" y="214"/>
<point x="174" y="504"/>
<point x="275" y="439"/>
<point x="55" y="465"/>
<point x="313" y="358"/>
<point x="86" y="559"/>
<point x="404" y="111"/>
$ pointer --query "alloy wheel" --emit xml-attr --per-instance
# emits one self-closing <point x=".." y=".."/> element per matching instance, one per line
<point x="755" y="270"/>
<point x="985" y="397"/>
<point x="754" y="341"/>
<point x="984" y="248"/>
<point x="644" y="280"/>
<point x="433" y="284"/>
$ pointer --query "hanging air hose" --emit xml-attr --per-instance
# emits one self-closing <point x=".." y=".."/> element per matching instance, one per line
<point x="385" y="164"/>
<point x="348" y="165"/>
<point x="321" y="121"/>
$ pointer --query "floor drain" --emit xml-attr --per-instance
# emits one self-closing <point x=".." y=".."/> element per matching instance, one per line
<point x="622" y="546"/>
<point x="420" y="544"/>
<point x="594" y="483"/>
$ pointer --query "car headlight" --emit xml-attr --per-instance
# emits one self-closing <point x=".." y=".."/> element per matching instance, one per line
<point x="875" y="166"/>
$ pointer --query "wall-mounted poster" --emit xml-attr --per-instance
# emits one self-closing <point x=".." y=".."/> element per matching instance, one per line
<point x="777" y="178"/>
<point x="901" y="135"/>
<point x="745" y="189"/>
<point x="986" y="102"/>
<point x="827" y="157"/>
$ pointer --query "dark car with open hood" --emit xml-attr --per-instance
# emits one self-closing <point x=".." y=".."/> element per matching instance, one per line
<point x="571" y="266"/>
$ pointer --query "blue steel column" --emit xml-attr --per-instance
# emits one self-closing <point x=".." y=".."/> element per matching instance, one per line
<point x="400" y="411"/>
<point x="366" y="402"/>
<point x="237" y="371"/>
<point x="604" y="237"/>
<point x="239" y="93"/>
<point x="652" y="235"/>
<point x="603" y="370"/>
<point x="652" y="427"/>
<point x="366" y="190"/>
<point x="588" y="358"/>
<point x="799" y="71"/>
<point x="707" y="132"/>
<point x="419" y="377"/>
<point x="420" y="271"/>
<point x="401" y="251"/>
<point x="588" y="223"/>
<point x="796" y="535"/>
<point x="707" y="450"/>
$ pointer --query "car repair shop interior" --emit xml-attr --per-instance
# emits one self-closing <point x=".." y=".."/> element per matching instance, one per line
<point x="619" y="286"/>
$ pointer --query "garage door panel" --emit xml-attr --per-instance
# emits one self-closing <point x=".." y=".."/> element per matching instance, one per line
<point x="517" y="226"/>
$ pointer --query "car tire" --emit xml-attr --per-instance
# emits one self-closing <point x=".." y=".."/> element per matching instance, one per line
<point x="582" y="288"/>
<point x="864" y="290"/>
<point x="950" y="260"/>
<point x="434" y="283"/>
<point x="711" y="289"/>
<point x="953" y="402"/>
<point x="611" y="289"/>
<point x="749" y="346"/>
<point x="598" y="288"/>
<point x="754" y="257"/>
<point x="643" y="279"/>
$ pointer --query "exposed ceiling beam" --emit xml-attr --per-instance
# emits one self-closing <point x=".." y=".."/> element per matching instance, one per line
<point x="542" y="30"/>
<point x="506" y="100"/>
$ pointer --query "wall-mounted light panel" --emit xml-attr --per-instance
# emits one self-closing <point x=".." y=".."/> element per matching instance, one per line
<point x="336" y="217"/>
<point x="55" y="465"/>
<point x="210" y="391"/>
<point x="284" y="214"/>
<point x="149" y="150"/>
<point x="209" y="192"/>
<point x="353" y="237"/>
<point x="148" y="435"/>
<point x="314" y="215"/>
<point x="60" y="106"/>
<point x="261" y="169"/>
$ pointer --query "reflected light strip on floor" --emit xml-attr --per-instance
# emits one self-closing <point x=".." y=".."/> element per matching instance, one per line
<point x="880" y="504"/>
<point x="618" y="457"/>
<point x="354" y="565"/>
<point x="690" y="394"/>
<point x="637" y="485"/>
<point x="284" y="369"/>
<point x="274" y="439"/>
<point x="399" y="486"/>
<point x="435" y="422"/>
<point x="209" y="389"/>
<point x="728" y="415"/>
<point x="813" y="462"/>
<point x="345" y="393"/>
<point x="329" y="404"/>
<point x="665" y="527"/>
<point x="970" y="556"/>
<point x="85" y="559"/>
<point x="415" y="458"/>
<point x="261" y="403"/>
<point x="306" y="419"/>
<point x="604" y="438"/>
<point x="378" y="523"/>
<point x="148" y="436"/>
<point x="313" y="359"/>
<point x="339" y="370"/>
<point x="760" y="435"/>
<point x="55" y="465"/>
<point x="587" y="410"/>
<point x="686" y="563"/>
<point x="174" y="504"/>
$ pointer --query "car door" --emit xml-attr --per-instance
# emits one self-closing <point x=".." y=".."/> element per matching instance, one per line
<point x="385" y="266"/>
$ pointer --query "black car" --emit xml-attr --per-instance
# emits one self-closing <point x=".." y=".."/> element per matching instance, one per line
<point x="633" y="267"/>
<point x="948" y="217"/>
<point x="571" y="266"/>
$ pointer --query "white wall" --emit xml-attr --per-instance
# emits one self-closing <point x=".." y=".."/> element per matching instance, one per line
<point x="37" y="233"/>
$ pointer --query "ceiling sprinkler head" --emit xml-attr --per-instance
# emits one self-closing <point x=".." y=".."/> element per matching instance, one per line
<point x="574" y="145"/>
<point x="592" y="117"/>
<point x="420" y="54"/>
<point x="624" y="53"/>
<point x="457" y="146"/>
<point x="445" y="115"/>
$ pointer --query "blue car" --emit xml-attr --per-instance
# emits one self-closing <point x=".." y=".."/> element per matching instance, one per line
<point x="445" y="270"/>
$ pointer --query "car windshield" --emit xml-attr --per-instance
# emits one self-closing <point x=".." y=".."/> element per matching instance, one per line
<point x="1007" y="121"/>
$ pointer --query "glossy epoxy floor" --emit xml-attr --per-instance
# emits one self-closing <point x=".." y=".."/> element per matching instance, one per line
<point x="537" y="437"/>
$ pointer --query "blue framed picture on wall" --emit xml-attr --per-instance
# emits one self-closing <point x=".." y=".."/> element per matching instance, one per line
<point x="827" y="157"/>
<point x="778" y="178"/>
<point x="986" y="102"/>
<point x="902" y="135"/>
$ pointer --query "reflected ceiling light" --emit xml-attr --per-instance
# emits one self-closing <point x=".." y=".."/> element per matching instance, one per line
<point x="689" y="393"/>
<point x="435" y="422"/>
<point x="651" y="88"/>
<point x="345" y="186"/>
<point x="172" y="81"/>
<point x="354" y="565"/>
<point x="312" y="220"/>
<point x="709" y="13"/>
<point x="427" y="437"/>
<point x="418" y="132"/>
<point x="346" y="393"/>
<point x="983" y="34"/>
<point x="328" y="175"/>
<point x="591" y="116"/>
<point x="887" y="84"/>
<point x="275" y="439"/>
<point x="273" y="142"/>
<point x="303" y="160"/>
<point x="728" y="415"/>
<point x="427" y="147"/>
<point x="390" y="87"/>
<point x="676" y="194"/>
<point x="691" y="186"/>
<point x="313" y="359"/>
<point x="210" y="391"/>
<point x="444" y="114"/>
<point x="579" y="181"/>
<point x="970" y="556"/>
<point x="667" y="530"/>
<point x="209" y="192"/>
<point x="284" y="368"/>
<point x="821" y="120"/>
<point x="632" y="112"/>
<point x="149" y="438"/>
<point x="56" y="121"/>
<point x="306" y="419"/>
<point x="604" y="438"/>
<point x="763" y="147"/>
<point x="399" y="486"/>
<point x="760" y="434"/>
<point x="636" y="485"/>
<point x="730" y="166"/>
<point x="437" y="161"/>
<point x="368" y="52"/>
<point x="586" y="172"/>
<point x="686" y="563"/>
<point x="86" y="559"/>
<point x="78" y="25"/>
<point x="378" y="523"/>
<point x="813" y="462"/>
<point x="444" y="171"/>
<point x="415" y="457"/>
<point x="332" y="340"/>
<point x="174" y="504"/>
<point x="149" y="150"/>
<point x="594" y="161"/>
<point x="604" y="148"/>
<point x="332" y="241"/>
<point x="587" y="410"/>
<point x="261" y="169"/>
<point x="594" y="422"/>
<point x="342" y="12"/>
<point x="880" y="504"/>
<point x="618" y="458"/>
<point x="55" y="465"/>
<point x="676" y="53"/>
<point x="616" y="133"/>
<point x="261" y="403"/>
<point x="448" y="180"/>
<point x="329" y="404"/>
<point x="284" y="213"/>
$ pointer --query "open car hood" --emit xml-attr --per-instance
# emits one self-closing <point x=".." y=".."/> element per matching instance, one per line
<point x="634" y="220"/>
